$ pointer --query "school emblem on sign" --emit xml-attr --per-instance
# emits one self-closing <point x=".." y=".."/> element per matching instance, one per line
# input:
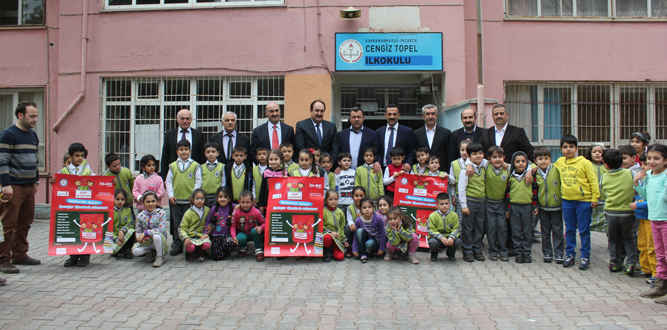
<point x="404" y="181"/>
<point x="63" y="182"/>
<point x="350" y="51"/>
<point x="278" y="186"/>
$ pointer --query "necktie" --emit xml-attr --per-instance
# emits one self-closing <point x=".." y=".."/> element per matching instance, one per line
<point x="183" y="134"/>
<point x="229" y="146"/>
<point x="319" y="134"/>
<point x="274" y="143"/>
<point x="390" y="145"/>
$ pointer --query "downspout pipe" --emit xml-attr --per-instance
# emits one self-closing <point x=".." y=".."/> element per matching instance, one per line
<point x="480" y="68"/>
<point x="84" y="46"/>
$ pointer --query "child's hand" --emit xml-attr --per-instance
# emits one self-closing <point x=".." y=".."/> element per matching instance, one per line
<point x="450" y="242"/>
<point x="355" y="254"/>
<point x="453" y="200"/>
<point x="536" y="211"/>
<point x="465" y="211"/>
<point x="121" y="237"/>
<point x="254" y="202"/>
<point x="529" y="178"/>
<point x="443" y="239"/>
<point x="347" y="244"/>
<point x="443" y="175"/>
<point x="115" y="181"/>
<point x="172" y="200"/>
<point x="470" y="171"/>
<point x="205" y="236"/>
<point x="505" y="165"/>
<point x="187" y="242"/>
<point x="140" y="237"/>
<point x="594" y="204"/>
<point x="336" y="235"/>
<point x="208" y="229"/>
<point x="396" y="174"/>
<point x="52" y="180"/>
<point x="285" y="176"/>
<point x="640" y="175"/>
<point x="380" y="252"/>
<point x="353" y="227"/>
<point x="236" y="241"/>
<point x="262" y="209"/>
<point x="258" y="229"/>
<point x="507" y="214"/>
<point x="633" y="206"/>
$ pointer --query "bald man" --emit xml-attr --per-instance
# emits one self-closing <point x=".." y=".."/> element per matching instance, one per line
<point x="171" y="138"/>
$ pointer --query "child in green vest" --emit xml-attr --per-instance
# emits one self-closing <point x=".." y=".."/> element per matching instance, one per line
<point x="598" y="220"/>
<point x="236" y="175"/>
<point x="400" y="235"/>
<point x="184" y="176"/>
<point x="327" y="165"/>
<point x="123" y="225"/>
<point x="422" y="157"/>
<point x="191" y="229"/>
<point x="443" y="229"/>
<point x="616" y="185"/>
<point x="434" y="168"/>
<point x="472" y="196"/>
<point x="335" y="242"/>
<point x="288" y="154"/>
<point x="78" y="166"/>
<point x="124" y="179"/>
<point x="522" y="199"/>
<point x="212" y="173"/>
<point x="550" y="203"/>
<point x="496" y="205"/>
<point x="258" y="173"/>
<point x="365" y="177"/>
<point x="308" y="167"/>
<point x="454" y="171"/>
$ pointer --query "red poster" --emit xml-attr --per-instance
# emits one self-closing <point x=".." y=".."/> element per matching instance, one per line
<point x="294" y="217"/>
<point x="415" y="195"/>
<point x="81" y="215"/>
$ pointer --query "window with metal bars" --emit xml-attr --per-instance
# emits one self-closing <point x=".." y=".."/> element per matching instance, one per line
<point x="9" y="99"/>
<point x="606" y="112"/>
<point x="587" y="8"/>
<point x="22" y="12"/>
<point x="174" y="4"/>
<point x="137" y="111"/>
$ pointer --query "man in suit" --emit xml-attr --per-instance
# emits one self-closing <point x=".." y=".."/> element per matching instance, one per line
<point x="506" y="136"/>
<point x="171" y="138"/>
<point x="435" y="137"/>
<point x="394" y="135"/>
<point x="469" y="131"/>
<point x="316" y="132"/>
<point x="357" y="138"/>
<point x="270" y="134"/>
<point x="229" y="138"/>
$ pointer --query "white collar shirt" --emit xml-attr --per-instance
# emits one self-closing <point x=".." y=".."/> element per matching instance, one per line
<point x="500" y="134"/>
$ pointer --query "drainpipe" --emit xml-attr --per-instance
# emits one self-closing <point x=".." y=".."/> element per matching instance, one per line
<point x="480" y="74"/>
<point x="84" y="44"/>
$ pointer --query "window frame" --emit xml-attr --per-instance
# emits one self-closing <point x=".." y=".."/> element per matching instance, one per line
<point x="43" y="168"/>
<point x="192" y="4"/>
<point x="611" y="10"/>
<point x="255" y="101"/>
<point x="20" y="25"/>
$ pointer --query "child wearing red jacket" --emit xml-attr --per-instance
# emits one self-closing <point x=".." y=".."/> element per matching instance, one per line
<point x="248" y="222"/>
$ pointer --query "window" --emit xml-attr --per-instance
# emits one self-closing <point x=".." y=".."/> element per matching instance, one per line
<point x="137" y="111"/>
<point x="9" y="99"/>
<point x="148" y="4"/>
<point x="21" y="12"/>
<point x="587" y="8"/>
<point x="593" y="112"/>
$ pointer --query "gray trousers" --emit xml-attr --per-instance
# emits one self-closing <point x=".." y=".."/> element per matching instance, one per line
<point x="473" y="227"/>
<point x="552" y="228"/>
<point x="435" y="245"/>
<point x="176" y="213"/>
<point x="621" y="235"/>
<point x="521" y="219"/>
<point x="496" y="228"/>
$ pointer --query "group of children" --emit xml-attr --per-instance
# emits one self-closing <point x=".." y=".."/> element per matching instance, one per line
<point x="217" y="209"/>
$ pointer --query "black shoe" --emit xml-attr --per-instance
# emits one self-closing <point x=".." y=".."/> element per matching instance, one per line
<point x="629" y="270"/>
<point x="527" y="259"/>
<point x="434" y="256"/>
<point x="176" y="248"/>
<point x="72" y="261"/>
<point x="548" y="259"/>
<point x="128" y="254"/>
<point x="479" y="256"/>
<point x="452" y="257"/>
<point x="8" y="268"/>
<point x="327" y="258"/>
<point x="511" y="253"/>
<point x="614" y="267"/>
<point x="568" y="262"/>
<point x="504" y="258"/>
<point x="519" y="259"/>
<point x="83" y="261"/>
<point x="27" y="261"/>
<point x="559" y="260"/>
<point x="468" y="257"/>
<point x="584" y="264"/>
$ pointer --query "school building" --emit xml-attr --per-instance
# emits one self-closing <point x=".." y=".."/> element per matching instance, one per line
<point x="113" y="73"/>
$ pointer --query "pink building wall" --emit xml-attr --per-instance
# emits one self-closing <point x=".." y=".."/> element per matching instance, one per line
<point x="284" y="40"/>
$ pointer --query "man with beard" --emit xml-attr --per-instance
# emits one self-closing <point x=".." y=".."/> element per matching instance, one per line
<point x="317" y="132"/>
<point x="395" y="135"/>
<point x="270" y="134"/>
<point x="469" y="131"/>
<point x="434" y="137"/>
<point x="357" y="138"/>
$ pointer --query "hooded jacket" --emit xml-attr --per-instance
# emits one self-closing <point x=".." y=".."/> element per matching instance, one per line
<point x="578" y="179"/>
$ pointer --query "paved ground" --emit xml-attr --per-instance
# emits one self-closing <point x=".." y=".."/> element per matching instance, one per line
<point x="129" y="294"/>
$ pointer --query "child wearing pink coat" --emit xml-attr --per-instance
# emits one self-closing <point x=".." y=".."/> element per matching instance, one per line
<point x="147" y="180"/>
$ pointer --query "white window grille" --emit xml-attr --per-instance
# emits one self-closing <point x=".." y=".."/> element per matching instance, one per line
<point x="137" y="111"/>
<point x="9" y="99"/>
<point x="587" y="8"/>
<point x="606" y="112"/>
<point x="175" y="4"/>
<point x="22" y="12"/>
